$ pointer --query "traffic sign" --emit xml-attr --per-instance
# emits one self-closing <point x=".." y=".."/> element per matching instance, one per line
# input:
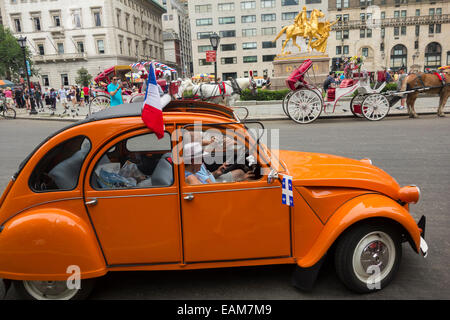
<point x="210" y="56"/>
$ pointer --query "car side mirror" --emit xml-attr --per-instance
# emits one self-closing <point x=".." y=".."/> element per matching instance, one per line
<point x="273" y="175"/>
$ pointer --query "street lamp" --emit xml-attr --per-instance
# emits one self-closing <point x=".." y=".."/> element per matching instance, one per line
<point x="215" y="39"/>
<point x="23" y="44"/>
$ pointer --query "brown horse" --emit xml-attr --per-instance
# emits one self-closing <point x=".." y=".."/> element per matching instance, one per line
<point x="420" y="80"/>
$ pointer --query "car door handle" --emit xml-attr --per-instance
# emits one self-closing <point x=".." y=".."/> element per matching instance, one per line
<point x="92" y="202"/>
<point x="189" y="197"/>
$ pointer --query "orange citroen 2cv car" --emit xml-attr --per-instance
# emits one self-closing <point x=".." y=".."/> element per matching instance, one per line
<point x="104" y="194"/>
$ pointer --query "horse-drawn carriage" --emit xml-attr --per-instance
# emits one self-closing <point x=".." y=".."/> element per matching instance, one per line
<point x="132" y="78"/>
<point x="305" y="102"/>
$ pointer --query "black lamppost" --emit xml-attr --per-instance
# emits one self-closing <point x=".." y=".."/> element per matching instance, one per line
<point x="215" y="39"/>
<point x="23" y="44"/>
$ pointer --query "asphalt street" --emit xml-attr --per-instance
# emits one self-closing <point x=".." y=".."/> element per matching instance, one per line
<point x="414" y="151"/>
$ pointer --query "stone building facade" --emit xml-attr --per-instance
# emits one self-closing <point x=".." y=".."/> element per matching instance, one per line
<point x="177" y="40"/>
<point x="246" y="28"/>
<point x="392" y="34"/>
<point x="64" y="36"/>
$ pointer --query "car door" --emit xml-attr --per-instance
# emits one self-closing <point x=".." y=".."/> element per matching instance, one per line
<point x="135" y="224"/>
<point x="234" y="221"/>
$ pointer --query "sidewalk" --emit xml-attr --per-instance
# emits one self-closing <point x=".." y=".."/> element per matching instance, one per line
<point x="258" y="110"/>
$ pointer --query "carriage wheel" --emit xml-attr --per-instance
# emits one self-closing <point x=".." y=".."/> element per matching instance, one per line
<point x="286" y="98"/>
<point x="375" y="107"/>
<point x="304" y="106"/>
<point x="99" y="103"/>
<point x="137" y="98"/>
<point x="355" y="105"/>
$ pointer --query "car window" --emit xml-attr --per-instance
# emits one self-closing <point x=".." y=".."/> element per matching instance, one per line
<point x="217" y="155"/>
<point x="142" y="161"/>
<point x="60" y="168"/>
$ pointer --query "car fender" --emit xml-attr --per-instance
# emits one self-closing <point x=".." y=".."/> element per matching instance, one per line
<point x="49" y="244"/>
<point x="363" y="207"/>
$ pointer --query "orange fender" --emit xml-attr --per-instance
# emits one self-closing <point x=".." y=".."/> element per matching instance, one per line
<point x="358" y="209"/>
<point x="41" y="244"/>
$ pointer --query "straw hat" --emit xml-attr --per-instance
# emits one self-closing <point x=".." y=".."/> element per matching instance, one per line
<point x="193" y="153"/>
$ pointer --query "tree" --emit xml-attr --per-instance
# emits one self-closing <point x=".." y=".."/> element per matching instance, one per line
<point x="11" y="57"/>
<point x="84" y="78"/>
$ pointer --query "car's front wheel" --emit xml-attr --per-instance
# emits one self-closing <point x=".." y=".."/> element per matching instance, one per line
<point x="52" y="290"/>
<point x="368" y="256"/>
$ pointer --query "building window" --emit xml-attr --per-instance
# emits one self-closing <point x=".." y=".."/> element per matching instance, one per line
<point x="268" y="57"/>
<point x="396" y="31"/>
<point x="228" y="47"/>
<point x="269" y="44"/>
<point x="227" y="33"/>
<point x="17" y="25"/>
<point x="101" y="46"/>
<point x="204" y="48"/>
<point x="227" y="20"/>
<point x="80" y="47"/>
<point x="45" y="81"/>
<point x="289" y="2"/>
<point x="382" y="46"/>
<point x="249" y="45"/>
<point x="56" y="21"/>
<point x="438" y="11"/>
<point x="229" y="60"/>
<point x="203" y="62"/>
<point x="403" y="30"/>
<point x="41" y="49"/>
<point x="37" y="23"/>
<point x="204" y="35"/>
<point x="417" y="30"/>
<point x="76" y="19"/>
<point x="245" y="5"/>
<point x="203" y="8"/>
<point x="365" y="52"/>
<point x="338" y="4"/>
<point x="345" y="49"/>
<point x="268" y="17"/>
<point x="60" y="46"/>
<point x="399" y="55"/>
<point x="416" y="44"/>
<point x="250" y="59"/>
<point x="345" y="34"/>
<point x="383" y="32"/>
<point x="204" y="22"/>
<point x="338" y="35"/>
<point x="267" y="3"/>
<point x="248" y="32"/>
<point x="268" y="31"/>
<point x="362" y="33"/>
<point x="97" y="18"/>
<point x="433" y="53"/>
<point x="383" y="15"/>
<point x="64" y="79"/>
<point x="226" y="6"/>
<point x="338" y="50"/>
<point x="288" y="15"/>
<point x="448" y="57"/>
<point x="248" y="19"/>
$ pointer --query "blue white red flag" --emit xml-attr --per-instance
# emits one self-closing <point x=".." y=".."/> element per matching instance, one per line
<point x="287" y="196"/>
<point x="152" y="110"/>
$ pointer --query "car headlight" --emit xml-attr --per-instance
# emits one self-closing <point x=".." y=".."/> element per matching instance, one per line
<point x="409" y="194"/>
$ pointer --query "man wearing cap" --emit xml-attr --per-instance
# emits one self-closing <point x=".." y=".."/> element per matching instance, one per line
<point x="197" y="173"/>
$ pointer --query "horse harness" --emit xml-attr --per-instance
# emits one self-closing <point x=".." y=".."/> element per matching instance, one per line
<point x="441" y="77"/>
<point x="221" y="87"/>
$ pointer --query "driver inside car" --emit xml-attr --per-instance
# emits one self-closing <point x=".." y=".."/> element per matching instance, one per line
<point x="197" y="173"/>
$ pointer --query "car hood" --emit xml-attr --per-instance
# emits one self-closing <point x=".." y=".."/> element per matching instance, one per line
<point x="316" y="169"/>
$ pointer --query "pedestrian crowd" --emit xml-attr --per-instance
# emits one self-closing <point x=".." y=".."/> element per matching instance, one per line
<point x="20" y="96"/>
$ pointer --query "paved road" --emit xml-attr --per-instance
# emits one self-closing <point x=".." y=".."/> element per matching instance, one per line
<point x="413" y="151"/>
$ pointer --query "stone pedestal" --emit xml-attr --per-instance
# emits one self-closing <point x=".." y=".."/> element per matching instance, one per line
<point x="284" y="65"/>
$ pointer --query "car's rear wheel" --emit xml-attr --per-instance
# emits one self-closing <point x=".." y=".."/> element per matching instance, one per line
<point x="52" y="290"/>
<point x="368" y="256"/>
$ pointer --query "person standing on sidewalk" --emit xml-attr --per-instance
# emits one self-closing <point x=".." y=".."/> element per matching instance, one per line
<point x="86" y="94"/>
<point x="8" y="96"/>
<point x="63" y="98"/>
<point x="401" y="76"/>
<point x="38" y="98"/>
<point x="53" y="96"/>
<point x="115" y="91"/>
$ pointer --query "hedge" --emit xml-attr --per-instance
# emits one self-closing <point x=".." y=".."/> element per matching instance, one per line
<point x="264" y="95"/>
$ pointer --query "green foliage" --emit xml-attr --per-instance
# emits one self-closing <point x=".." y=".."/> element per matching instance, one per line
<point x="83" y="78"/>
<point x="264" y="95"/>
<point x="188" y="94"/>
<point x="11" y="57"/>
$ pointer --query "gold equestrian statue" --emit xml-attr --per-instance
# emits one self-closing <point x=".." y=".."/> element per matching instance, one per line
<point x="307" y="29"/>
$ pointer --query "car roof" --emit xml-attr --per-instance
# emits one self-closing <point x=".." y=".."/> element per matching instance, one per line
<point x="134" y="110"/>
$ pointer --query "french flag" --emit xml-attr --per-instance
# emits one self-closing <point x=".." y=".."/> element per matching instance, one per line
<point x="152" y="110"/>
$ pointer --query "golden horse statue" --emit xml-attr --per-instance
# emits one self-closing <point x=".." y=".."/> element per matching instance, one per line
<point x="308" y="29"/>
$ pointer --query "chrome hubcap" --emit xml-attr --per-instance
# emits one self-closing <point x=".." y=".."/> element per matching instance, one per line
<point x="374" y="257"/>
<point x="49" y="290"/>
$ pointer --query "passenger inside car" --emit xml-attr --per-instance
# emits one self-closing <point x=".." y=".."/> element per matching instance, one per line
<point x="196" y="171"/>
